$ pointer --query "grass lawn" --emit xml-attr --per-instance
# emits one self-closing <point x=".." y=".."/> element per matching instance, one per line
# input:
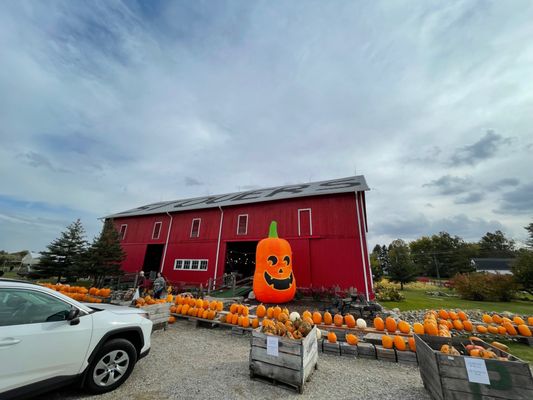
<point x="418" y="299"/>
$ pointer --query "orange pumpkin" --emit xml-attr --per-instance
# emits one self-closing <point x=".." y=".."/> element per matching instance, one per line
<point x="274" y="280"/>
<point x="487" y="319"/>
<point x="379" y="324"/>
<point x="530" y="321"/>
<point x="418" y="328"/>
<point x="502" y="330"/>
<point x="518" y="320"/>
<point x="412" y="344"/>
<point x="317" y="318"/>
<point x="493" y="329"/>
<point x="390" y="323"/>
<point x="404" y="327"/>
<point x="270" y="312"/>
<point x="457" y="324"/>
<point x="328" y="319"/>
<point x="399" y="343"/>
<point x="261" y="311"/>
<point x="332" y="338"/>
<point x="468" y="325"/>
<point x="443" y="314"/>
<point x="220" y="306"/>
<point x="387" y="341"/>
<point x="306" y="313"/>
<point x="245" y="322"/>
<point x="338" y="320"/>
<point x="255" y="323"/>
<point x="497" y="319"/>
<point x="510" y="328"/>
<point x="277" y="311"/>
<point x="171" y="319"/>
<point x="235" y="319"/>
<point x="462" y="316"/>
<point x="482" y="329"/>
<point x="453" y="315"/>
<point x="350" y="321"/>
<point x="524" y="330"/>
<point x="352" y="339"/>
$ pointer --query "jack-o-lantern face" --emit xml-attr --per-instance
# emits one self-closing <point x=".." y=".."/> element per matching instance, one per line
<point x="274" y="280"/>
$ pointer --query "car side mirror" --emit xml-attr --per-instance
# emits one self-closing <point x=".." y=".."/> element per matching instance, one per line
<point x="73" y="316"/>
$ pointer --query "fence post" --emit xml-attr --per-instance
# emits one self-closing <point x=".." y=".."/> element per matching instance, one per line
<point x="209" y="282"/>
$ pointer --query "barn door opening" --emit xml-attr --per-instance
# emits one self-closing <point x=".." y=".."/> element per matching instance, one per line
<point x="240" y="259"/>
<point x="152" y="259"/>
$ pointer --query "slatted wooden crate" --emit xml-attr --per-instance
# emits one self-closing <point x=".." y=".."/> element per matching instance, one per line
<point x="384" y="354"/>
<point x="406" y="357"/>
<point x="158" y="314"/>
<point x="331" y="348"/>
<point x="295" y="362"/>
<point x="366" y="350"/>
<point x="446" y="377"/>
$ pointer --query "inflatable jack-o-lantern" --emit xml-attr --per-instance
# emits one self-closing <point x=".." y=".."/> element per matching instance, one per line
<point x="274" y="280"/>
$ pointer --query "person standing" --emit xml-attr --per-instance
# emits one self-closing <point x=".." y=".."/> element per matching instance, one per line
<point x="159" y="285"/>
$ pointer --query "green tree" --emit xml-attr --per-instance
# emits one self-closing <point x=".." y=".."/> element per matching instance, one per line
<point x="105" y="254"/>
<point x="529" y="240"/>
<point x="65" y="255"/>
<point x="496" y="245"/>
<point x="442" y="255"/>
<point x="377" y="270"/>
<point x="522" y="268"/>
<point x="401" y="269"/>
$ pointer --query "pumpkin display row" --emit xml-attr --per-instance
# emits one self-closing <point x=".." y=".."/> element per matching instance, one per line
<point x="80" y="293"/>
<point x="296" y="329"/>
<point x="350" y="338"/>
<point x="148" y="301"/>
<point x="475" y="350"/>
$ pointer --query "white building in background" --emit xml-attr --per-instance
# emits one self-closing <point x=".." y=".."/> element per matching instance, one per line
<point x="493" y="265"/>
<point x="28" y="261"/>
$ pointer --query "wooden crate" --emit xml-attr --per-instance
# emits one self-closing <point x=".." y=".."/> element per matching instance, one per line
<point x="384" y="354"/>
<point x="295" y="362"/>
<point x="366" y="350"/>
<point x="348" y="350"/>
<point x="406" y="357"/>
<point x="445" y="376"/>
<point x="331" y="348"/>
<point x="158" y="314"/>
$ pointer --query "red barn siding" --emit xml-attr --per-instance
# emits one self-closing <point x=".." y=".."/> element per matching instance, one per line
<point x="330" y="256"/>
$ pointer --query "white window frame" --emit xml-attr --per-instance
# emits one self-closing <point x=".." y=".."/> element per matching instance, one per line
<point x="192" y="226"/>
<point x="189" y="261"/>
<point x="158" y="233"/>
<point x="310" y="221"/>
<point x="123" y="235"/>
<point x="239" y="224"/>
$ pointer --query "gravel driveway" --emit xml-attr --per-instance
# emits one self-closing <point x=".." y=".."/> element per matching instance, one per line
<point x="198" y="363"/>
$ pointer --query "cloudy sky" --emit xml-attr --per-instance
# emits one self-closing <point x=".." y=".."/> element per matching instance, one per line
<point x="108" y="105"/>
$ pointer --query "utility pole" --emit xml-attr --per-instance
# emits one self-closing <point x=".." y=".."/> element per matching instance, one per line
<point x="437" y="267"/>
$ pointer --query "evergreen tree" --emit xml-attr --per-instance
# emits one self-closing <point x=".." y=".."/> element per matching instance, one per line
<point x="105" y="254"/>
<point x="529" y="240"/>
<point x="377" y="270"/>
<point x="496" y="245"/>
<point x="64" y="255"/>
<point x="523" y="269"/>
<point x="401" y="269"/>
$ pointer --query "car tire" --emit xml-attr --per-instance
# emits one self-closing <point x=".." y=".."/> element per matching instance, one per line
<point x="111" y="367"/>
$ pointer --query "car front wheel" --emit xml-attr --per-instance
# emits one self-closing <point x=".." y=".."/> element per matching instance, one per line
<point x="111" y="366"/>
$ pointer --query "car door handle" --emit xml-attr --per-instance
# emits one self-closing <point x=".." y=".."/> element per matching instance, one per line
<point x="9" y="342"/>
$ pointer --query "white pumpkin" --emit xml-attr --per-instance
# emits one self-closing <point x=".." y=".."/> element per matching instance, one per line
<point x="361" y="323"/>
<point x="318" y="334"/>
<point x="294" y="316"/>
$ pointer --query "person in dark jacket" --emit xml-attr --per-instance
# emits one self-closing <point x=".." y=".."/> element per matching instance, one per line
<point x="160" y="284"/>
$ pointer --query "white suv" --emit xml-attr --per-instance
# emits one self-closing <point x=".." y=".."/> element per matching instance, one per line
<point x="48" y="340"/>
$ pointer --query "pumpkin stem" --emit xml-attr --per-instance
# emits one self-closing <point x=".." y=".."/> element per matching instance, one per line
<point x="273" y="232"/>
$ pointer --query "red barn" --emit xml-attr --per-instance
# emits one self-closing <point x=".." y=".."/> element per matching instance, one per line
<point x="196" y="239"/>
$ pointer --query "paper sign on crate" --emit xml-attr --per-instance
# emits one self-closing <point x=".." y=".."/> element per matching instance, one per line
<point x="272" y="346"/>
<point x="477" y="370"/>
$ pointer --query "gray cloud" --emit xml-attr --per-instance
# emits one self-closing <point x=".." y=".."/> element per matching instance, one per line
<point x="450" y="185"/>
<point x="518" y="201"/>
<point x="504" y="182"/>
<point x="192" y="182"/>
<point x="483" y="149"/>
<point x="415" y="226"/>
<point x="38" y="160"/>
<point x="473" y="197"/>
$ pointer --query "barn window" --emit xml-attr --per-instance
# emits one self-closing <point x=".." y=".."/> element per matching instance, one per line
<point x="157" y="230"/>
<point x="190" y="265"/>
<point x="122" y="234"/>
<point x="305" y="225"/>
<point x="195" y="228"/>
<point x="242" y="224"/>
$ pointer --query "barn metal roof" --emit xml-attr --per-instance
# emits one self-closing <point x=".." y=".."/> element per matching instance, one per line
<point x="343" y="185"/>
